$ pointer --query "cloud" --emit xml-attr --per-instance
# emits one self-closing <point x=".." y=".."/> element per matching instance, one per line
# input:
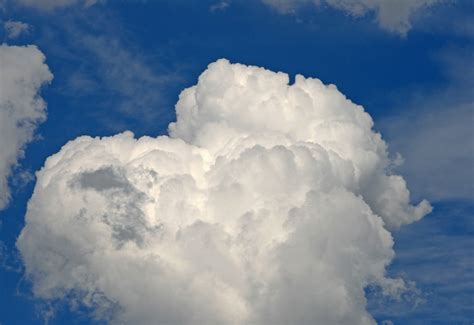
<point x="23" y="73"/>
<point x="127" y="76"/>
<point x="454" y="20"/>
<point x="51" y="5"/>
<point x="219" y="6"/>
<point x="267" y="202"/>
<point x="435" y="133"/>
<point x="436" y="253"/>
<point x="15" y="28"/>
<point x="101" y="61"/>
<point x="393" y="16"/>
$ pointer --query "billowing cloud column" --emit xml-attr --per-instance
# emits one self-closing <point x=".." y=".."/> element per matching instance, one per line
<point x="22" y="73"/>
<point x="267" y="203"/>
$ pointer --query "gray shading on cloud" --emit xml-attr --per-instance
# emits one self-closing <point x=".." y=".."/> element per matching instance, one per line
<point x="268" y="202"/>
<point x="103" y="179"/>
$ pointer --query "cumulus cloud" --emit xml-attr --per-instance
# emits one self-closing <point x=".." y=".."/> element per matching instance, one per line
<point x="131" y="82"/>
<point x="267" y="203"/>
<point x="23" y="72"/>
<point x="15" y="28"/>
<point x="393" y="16"/>
<point x="102" y="60"/>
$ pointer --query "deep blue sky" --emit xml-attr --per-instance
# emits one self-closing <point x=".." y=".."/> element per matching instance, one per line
<point x="98" y="56"/>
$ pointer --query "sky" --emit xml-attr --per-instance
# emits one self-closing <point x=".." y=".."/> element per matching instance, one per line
<point x="181" y="162"/>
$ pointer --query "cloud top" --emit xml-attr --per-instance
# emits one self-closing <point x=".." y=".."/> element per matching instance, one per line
<point x="267" y="202"/>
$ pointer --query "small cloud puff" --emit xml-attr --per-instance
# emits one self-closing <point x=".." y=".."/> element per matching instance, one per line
<point x="15" y="29"/>
<point x="267" y="203"/>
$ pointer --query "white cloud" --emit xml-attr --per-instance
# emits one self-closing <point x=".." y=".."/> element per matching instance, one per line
<point x="15" y="28"/>
<point x="267" y="203"/>
<point x="50" y="5"/>
<point x="23" y="72"/>
<point x="393" y="16"/>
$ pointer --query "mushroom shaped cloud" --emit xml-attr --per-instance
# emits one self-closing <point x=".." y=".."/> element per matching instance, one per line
<point x="268" y="203"/>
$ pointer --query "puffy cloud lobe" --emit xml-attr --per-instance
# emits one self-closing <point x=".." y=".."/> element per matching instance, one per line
<point x="23" y="72"/>
<point x="268" y="202"/>
<point x="393" y="16"/>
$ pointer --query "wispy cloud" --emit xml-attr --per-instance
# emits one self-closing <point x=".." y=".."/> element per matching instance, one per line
<point x="393" y="16"/>
<point x="452" y="19"/>
<point x="127" y="75"/>
<point x="436" y="253"/>
<point x="220" y="6"/>
<point x="15" y="29"/>
<point x="102" y="62"/>
<point x="435" y="131"/>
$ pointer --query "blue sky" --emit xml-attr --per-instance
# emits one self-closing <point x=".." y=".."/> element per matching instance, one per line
<point x="120" y="65"/>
